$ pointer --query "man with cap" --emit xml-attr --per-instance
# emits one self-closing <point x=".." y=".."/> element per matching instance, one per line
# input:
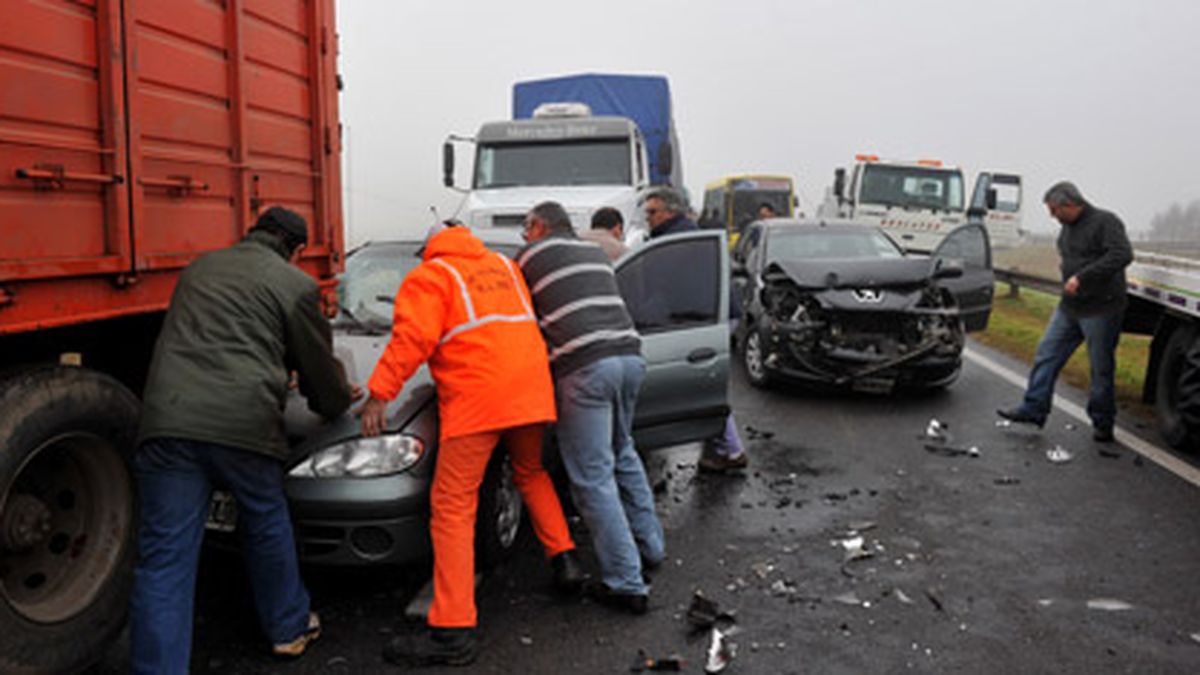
<point x="467" y="312"/>
<point x="241" y="321"/>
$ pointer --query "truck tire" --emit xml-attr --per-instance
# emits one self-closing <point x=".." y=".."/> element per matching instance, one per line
<point x="1178" y="390"/>
<point x="67" y="516"/>
<point x="498" y="519"/>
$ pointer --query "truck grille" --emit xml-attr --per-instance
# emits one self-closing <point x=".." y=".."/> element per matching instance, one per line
<point x="508" y="220"/>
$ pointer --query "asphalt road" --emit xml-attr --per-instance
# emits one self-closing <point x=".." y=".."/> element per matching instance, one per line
<point x="980" y="564"/>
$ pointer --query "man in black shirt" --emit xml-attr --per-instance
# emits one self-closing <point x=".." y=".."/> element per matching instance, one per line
<point x="1094" y="252"/>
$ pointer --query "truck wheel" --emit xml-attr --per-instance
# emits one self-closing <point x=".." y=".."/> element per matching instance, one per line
<point x="1178" y="390"/>
<point x="498" y="519"/>
<point x="754" y="358"/>
<point x="66" y="516"/>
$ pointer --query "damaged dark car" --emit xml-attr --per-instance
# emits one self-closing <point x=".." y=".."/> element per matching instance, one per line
<point x="837" y="303"/>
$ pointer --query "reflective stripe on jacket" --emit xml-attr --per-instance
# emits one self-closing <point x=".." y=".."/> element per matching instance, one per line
<point x="466" y="310"/>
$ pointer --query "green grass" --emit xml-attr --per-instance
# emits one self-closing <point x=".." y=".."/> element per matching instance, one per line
<point x="1017" y="324"/>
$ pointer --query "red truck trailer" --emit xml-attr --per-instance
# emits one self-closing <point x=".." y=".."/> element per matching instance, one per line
<point x="135" y="135"/>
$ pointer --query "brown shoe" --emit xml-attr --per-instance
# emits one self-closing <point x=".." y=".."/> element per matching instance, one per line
<point x="723" y="464"/>
<point x="295" y="648"/>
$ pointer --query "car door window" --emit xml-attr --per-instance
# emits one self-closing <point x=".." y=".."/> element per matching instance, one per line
<point x="672" y="286"/>
<point x="967" y="245"/>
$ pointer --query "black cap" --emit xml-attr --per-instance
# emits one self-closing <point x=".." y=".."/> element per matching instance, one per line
<point x="284" y="222"/>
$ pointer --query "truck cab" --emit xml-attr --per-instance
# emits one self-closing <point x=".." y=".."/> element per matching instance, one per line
<point x="562" y="154"/>
<point x="919" y="202"/>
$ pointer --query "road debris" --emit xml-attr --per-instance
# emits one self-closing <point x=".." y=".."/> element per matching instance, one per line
<point x="720" y="652"/>
<point x="763" y="569"/>
<point x="783" y="587"/>
<point x="862" y="525"/>
<point x="903" y="597"/>
<point x="1069" y="426"/>
<point x="1109" y="604"/>
<point x="855" y="550"/>
<point x="645" y="662"/>
<point x="755" y="434"/>
<point x="1196" y="637"/>
<point x="952" y="450"/>
<point x="704" y="613"/>
<point x="848" y="598"/>
<point x="936" y="429"/>
<point x="1003" y="424"/>
<point x="1007" y="480"/>
<point x="1109" y="453"/>
<point x="1059" y="455"/>
<point x="934" y="600"/>
<point x="526" y="640"/>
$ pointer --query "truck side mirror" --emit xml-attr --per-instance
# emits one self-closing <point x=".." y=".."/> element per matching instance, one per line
<point x="448" y="164"/>
<point x="665" y="158"/>
<point x="839" y="184"/>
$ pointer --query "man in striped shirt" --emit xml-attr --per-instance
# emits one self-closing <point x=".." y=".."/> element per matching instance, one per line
<point x="595" y="358"/>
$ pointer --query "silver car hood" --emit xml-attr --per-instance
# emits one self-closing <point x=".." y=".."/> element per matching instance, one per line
<point x="308" y="433"/>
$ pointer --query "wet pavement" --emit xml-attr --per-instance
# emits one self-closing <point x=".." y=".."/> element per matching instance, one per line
<point x="848" y="546"/>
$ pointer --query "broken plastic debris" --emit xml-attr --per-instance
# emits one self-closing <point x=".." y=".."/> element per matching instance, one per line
<point x="862" y="525"/>
<point x="1003" y="424"/>
<point x="1007" y="480"/>
<point x="1045" y="602"/>
<point x="526" y="640"/>
<point x="1059" y="455"/>
<point x="848" y="598"/>
<point x="783" y="587"/>
<point x="854" y="549"/>
<point x="763" y="569"/>
<point x="720" y="652"/>
<point x="1196" y="637"/>
<point x="934" y="600"/>
<point x="704" y="613"/>
<point x="936" y="429"/>
<point x="903" y="597"/>
<point x="644" y="662"/>
<point x="1109" y="604"/>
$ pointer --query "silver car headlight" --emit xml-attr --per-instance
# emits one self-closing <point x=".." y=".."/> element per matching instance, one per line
<point x="363" y="458"/>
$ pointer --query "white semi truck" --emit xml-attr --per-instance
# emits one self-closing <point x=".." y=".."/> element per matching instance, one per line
<point x="920" y="202"/>
<point x="585" y="141"/>
<point x="1164" y="301"/>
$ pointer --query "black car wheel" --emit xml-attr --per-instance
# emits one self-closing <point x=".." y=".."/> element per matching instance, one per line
<point x="1178" y="390"/>
<point x="67" y="516"/>
<point x="754" y="358"/>
<point x="498" y="520"/>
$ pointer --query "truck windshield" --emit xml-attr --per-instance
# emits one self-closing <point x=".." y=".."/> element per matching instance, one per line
<point x="604" y="162"/>
<point x="912" y="187"/>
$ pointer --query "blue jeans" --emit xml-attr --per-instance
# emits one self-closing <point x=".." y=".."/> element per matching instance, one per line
<point x="608" y="482"/>
<point x="175" y="482"/>
<point x="1063" y="335"/>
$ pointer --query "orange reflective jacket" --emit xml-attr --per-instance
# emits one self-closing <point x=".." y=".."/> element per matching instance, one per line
<point x="467" y="311"/>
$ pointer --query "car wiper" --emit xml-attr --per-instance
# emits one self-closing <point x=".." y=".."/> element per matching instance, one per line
<point x="355" y="321"/>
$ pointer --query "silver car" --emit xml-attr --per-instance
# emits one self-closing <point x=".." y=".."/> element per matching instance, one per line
<point x="360" y="500"/>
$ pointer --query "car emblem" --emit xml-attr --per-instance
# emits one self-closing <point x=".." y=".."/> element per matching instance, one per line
<point x="868" y="295"/>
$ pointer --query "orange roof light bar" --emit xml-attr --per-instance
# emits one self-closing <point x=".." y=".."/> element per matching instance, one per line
<point x="866" y="158"/>
<point x="929" y="162"/>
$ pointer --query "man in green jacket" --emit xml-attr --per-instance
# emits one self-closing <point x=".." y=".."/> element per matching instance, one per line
<point x="241" y="320"/>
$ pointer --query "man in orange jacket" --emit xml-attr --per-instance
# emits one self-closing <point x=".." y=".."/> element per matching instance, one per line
<point x="466" y="310"/>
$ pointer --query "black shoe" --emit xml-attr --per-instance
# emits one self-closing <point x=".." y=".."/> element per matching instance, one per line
<point x="568" y="574"/>
<point x="433" y="647"/>
<point x="634" y="603"/>
<point x="1020" y="416"/>
<point x="1102" y="435"/>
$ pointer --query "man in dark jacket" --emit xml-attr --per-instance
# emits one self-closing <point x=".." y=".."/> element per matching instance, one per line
<point x="666" y="214"/>
<point x="1094" y="252"/>
<point x="241" y="321"/>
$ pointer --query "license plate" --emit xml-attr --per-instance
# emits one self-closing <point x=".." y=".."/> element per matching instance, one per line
<point x="222" y="512"/>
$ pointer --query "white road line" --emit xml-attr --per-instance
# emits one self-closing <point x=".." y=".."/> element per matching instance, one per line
<point x="1151" y="452"/>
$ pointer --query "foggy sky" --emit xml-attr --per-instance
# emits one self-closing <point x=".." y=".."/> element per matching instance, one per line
<point x="1101" y="92"/>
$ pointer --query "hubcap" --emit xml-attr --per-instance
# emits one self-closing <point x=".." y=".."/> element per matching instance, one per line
<point x="508" y="507"/>
<point x="64" y="522"/>
<point x="754" y="356"/>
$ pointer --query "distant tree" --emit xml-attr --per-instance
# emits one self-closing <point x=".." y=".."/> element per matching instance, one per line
<point x="1177" y="223"/>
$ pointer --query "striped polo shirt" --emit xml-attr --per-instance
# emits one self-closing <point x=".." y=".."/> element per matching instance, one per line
<point x="575" y="296"/>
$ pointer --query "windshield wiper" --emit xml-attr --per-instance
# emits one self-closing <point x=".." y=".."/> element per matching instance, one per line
<point x="357" y="323"/>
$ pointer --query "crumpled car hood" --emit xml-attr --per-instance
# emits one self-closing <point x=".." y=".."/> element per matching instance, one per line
<point x="855" y="273"/>
<point x="308" y="433"/>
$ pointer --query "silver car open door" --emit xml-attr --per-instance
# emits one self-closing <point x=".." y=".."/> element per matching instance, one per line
<point x="677" y="291"/>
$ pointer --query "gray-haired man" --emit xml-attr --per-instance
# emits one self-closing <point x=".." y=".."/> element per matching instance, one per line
<point x="1094" y="252"/>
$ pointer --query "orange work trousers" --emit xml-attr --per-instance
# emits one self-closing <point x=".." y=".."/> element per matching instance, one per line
<point x="461" y="464"/>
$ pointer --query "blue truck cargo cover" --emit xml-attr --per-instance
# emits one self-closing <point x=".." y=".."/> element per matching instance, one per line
<point x="645" y="99"/>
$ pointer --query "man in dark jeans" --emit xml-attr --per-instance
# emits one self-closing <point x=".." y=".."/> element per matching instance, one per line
<point x="666" y="214"/>
<point x="241" y="320"/>
<point x="1095" y="253"/>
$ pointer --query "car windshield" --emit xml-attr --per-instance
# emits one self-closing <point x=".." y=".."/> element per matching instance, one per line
<point x="373" y="275"/>
<point x="604" y="162"/>
<point x="912" y="187"/>
<point x="818" y="244"/>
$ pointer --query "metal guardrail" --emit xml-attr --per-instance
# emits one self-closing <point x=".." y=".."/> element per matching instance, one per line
<point x="1016" y="279"/>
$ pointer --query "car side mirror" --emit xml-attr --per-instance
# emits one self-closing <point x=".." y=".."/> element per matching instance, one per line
<point x="448" y="164"/>
<point x="991" y="198"/>
<point x="839" y="184"/>
<point x="945" y="268"/>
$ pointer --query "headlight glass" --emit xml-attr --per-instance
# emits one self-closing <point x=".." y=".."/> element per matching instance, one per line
<point x="363" y="458"/>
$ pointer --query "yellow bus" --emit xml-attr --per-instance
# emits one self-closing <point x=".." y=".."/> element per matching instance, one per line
<point x="734" y="201"/>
